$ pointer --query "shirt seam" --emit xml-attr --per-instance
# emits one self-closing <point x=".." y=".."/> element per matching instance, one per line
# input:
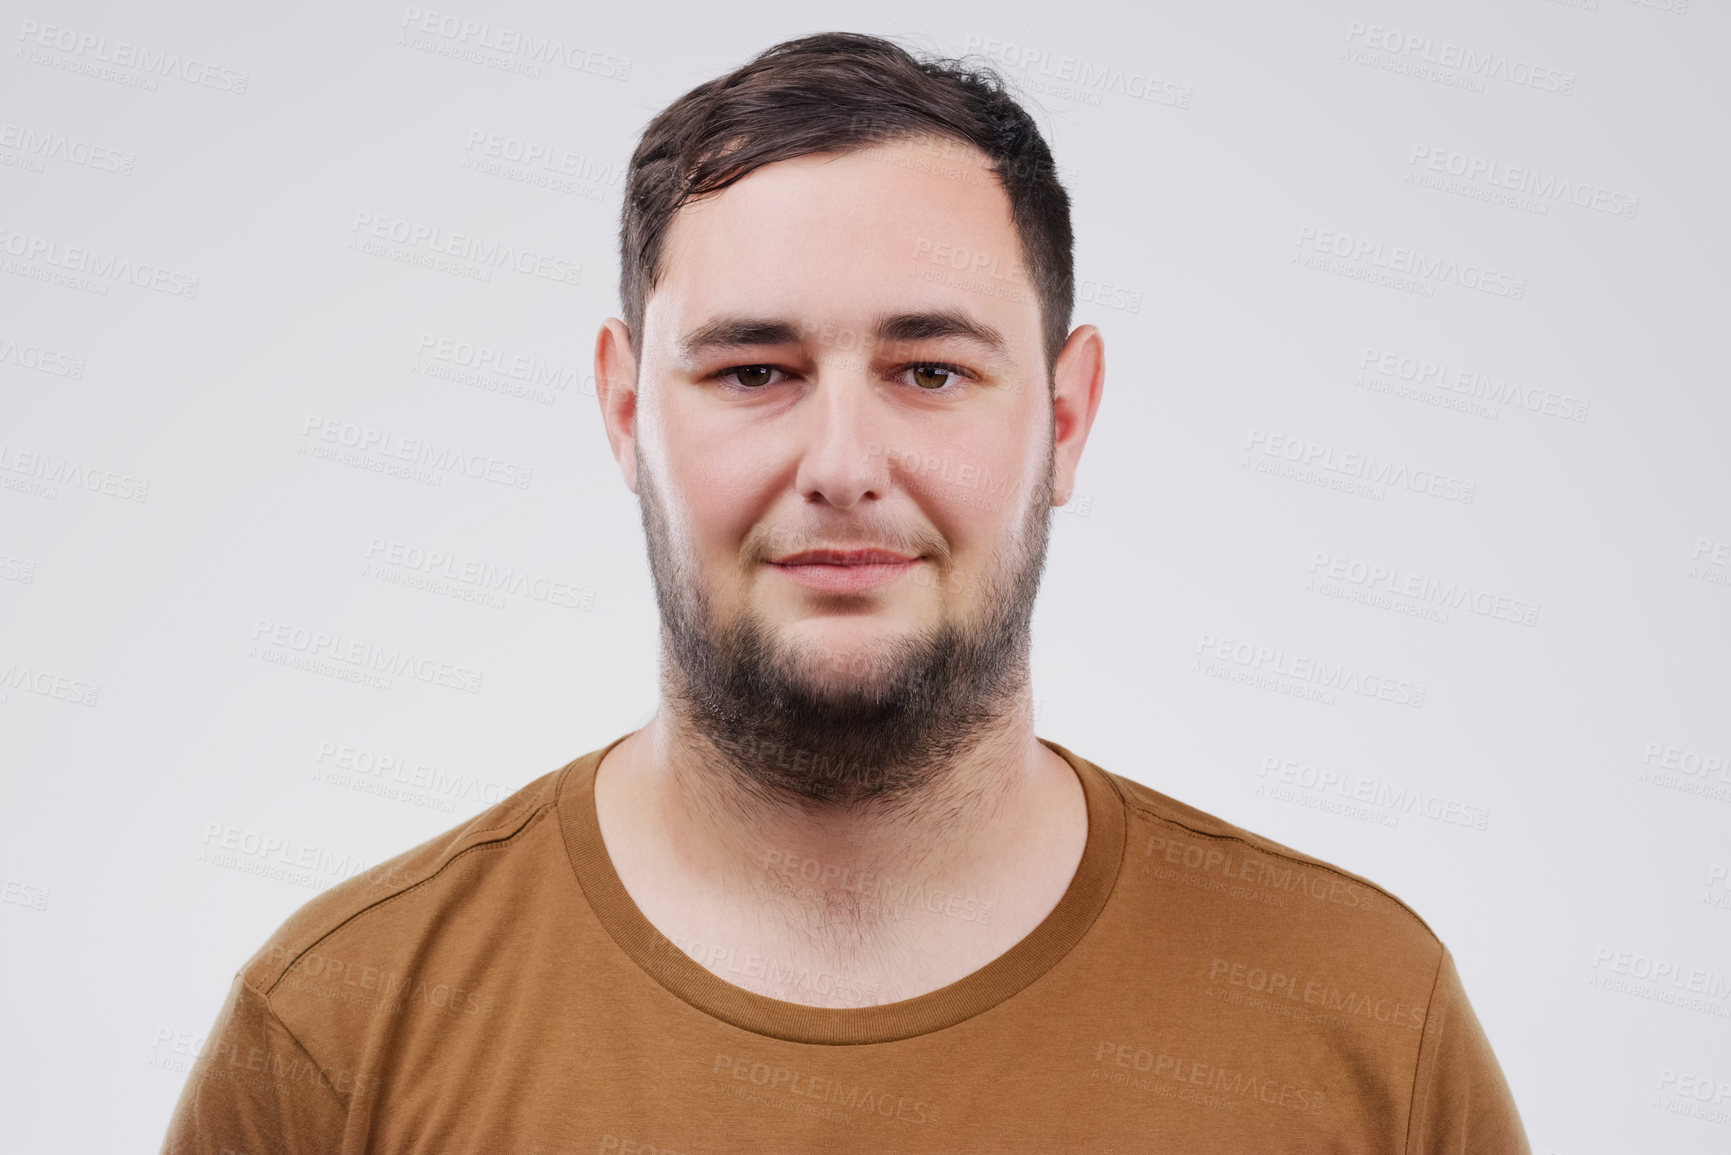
<point x="269" y="992"/>
<point x="1146" y="812"/>
<point x="1418" y="1062"/>
<point x="1115" y="876"/>
<point x="342" y="1100"/>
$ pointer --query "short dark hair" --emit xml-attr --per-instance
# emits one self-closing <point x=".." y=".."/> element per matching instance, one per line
<point x="836" y="92"/>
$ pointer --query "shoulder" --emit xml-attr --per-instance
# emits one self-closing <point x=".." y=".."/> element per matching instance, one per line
<point x="408" y="892"/>
<point x="1266" y="899"/>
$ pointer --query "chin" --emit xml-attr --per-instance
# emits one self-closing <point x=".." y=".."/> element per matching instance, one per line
<point x="843" y="654"/>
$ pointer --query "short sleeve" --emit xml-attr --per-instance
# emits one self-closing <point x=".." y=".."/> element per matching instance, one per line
<point x="255" y="1089"/>
<point x="1461" y="1104"/>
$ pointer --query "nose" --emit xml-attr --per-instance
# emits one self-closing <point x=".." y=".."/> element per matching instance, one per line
<point x="842" y="459"/>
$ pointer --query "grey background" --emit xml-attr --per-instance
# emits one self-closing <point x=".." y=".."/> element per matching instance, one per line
<point x="1210" y="151"/>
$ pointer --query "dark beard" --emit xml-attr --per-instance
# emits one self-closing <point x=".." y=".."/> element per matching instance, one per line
<point x="938" y="693"/>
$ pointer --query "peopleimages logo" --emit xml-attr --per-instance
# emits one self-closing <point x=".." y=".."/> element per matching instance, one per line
<point x="23" y="894"/>
<point x="872" y="888"/>
<point x="375" y="986"/>
<point x="415" y="451"/>
<point x="532" y="371"/>
<point x="87" y="46"/>
<point x="360" y="764"/>
<point x="40" y="145"/>
<point x="1279" y="880"/>
<point x="1372" y="792"/>
<point x="82" y="261"/>
<point x="476" y="580"/>
<point x="47" y="683"/>
<point x="40" y="359"/>
<point x="282" y="642"/>
<point x="1662" y="980"/>
<point x="1357" y="466"/>
<point x="1469" y="383"/>
<point x="1318" y="992"/>
<point x="1412" y="48"/>
<point x="552" y="159"/>
<point x="1219" y="1085"/>
<point x="528" y="48"/>
<point x="810" y="1085"/>
<point x="1426" y="268"/>
<point x="433" y="241"/>
<point x="1546" y="187"/>
<point x="51" y="472"/>
<point x="1303" y="669"/>
<point x="1089" y="80"/>
<point x="1377" y="578"/>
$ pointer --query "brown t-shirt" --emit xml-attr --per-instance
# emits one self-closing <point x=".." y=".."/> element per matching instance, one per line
<point x="1197" y="989"/>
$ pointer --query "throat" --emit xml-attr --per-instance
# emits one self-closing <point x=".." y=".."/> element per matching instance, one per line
<point x="843" y="906"/>
<point x="830" y="949"/>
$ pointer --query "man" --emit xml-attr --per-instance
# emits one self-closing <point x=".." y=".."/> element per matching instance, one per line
<point x="836" y="895"/>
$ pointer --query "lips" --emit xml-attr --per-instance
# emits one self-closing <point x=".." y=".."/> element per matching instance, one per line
<point x="844" y="557"/>
<point x="844" y="571"/>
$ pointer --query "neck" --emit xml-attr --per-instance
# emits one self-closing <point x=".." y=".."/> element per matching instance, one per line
<point x="914" y="888"/>
<point x="935" y="815"/>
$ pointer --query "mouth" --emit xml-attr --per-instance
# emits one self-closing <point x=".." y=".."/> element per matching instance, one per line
<point x="845" y="557"/>
<point x="844" y="570"/>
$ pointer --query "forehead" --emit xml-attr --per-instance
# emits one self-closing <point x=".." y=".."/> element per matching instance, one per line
<point x="832" y="239"/>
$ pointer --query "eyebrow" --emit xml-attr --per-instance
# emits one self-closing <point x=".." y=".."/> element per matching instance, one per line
<point x="734" y="332"/>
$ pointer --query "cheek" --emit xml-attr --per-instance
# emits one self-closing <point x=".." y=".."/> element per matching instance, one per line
<point x="723" y="483"/>
<point x="970" y="482"/>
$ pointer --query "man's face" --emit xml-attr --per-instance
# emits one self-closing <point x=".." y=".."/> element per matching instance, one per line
<point x="844" y="354"/>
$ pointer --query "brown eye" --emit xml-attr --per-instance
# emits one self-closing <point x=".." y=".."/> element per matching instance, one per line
<point x="751" y="376"/>
<point x="931" y="376"/>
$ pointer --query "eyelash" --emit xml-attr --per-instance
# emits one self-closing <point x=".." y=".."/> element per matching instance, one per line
<point x="961" y="378"/>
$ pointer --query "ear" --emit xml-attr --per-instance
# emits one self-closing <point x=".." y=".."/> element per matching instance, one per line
<point x="1078" y="380"/>
<point x="616" y="390"/>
